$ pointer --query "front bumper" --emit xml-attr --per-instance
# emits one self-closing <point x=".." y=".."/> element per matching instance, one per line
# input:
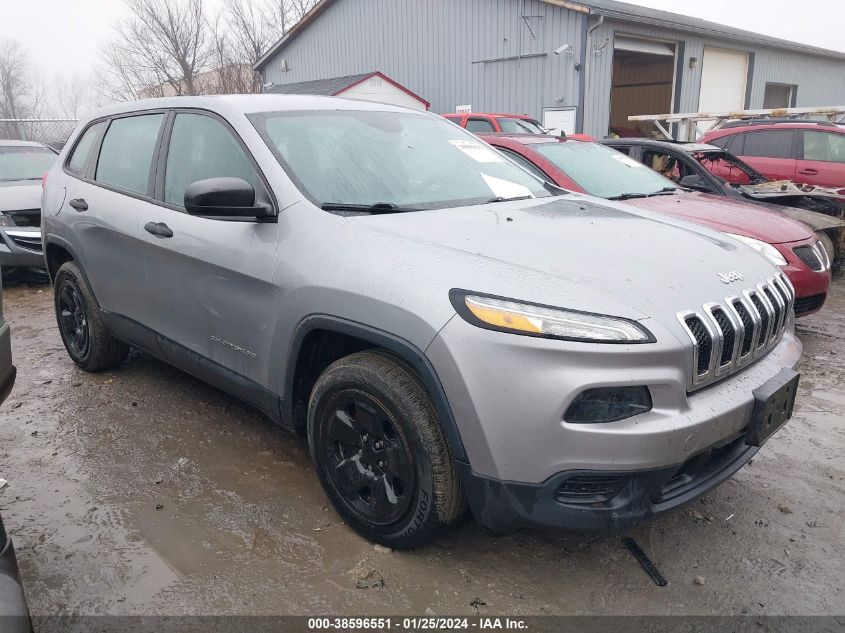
<point x="509" y="393"/>
<point x="21" y="246"/>
<point x="14" y="613"/>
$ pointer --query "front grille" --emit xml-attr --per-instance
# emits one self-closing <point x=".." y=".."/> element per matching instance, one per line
<point x="737" y="331"/>
<point x="809" y="304"/>
<point x="28" y="218"/>
<point x="27" y="240"/>
<point x="809" y="256"/>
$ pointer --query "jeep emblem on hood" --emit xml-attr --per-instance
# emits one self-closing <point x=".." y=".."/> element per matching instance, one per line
<point x="730" y="277"/>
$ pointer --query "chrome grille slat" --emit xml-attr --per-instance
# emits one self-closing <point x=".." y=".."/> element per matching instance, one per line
<point x="730" y="334"/>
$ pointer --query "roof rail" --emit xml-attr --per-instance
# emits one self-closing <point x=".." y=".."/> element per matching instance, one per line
<point x="766" y="121"/>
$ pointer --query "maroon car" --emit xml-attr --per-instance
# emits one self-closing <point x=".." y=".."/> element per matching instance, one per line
<point x="488" y="123"/>
<point x="597" y="170"/>
<point x="810" y="152"/>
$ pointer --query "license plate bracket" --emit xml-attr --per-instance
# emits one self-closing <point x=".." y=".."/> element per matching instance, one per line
<point x="773" y="404"/>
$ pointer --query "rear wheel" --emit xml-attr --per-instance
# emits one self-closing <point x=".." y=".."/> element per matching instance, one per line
<point x="83" y="331"/>
<point x="380" y="452"/>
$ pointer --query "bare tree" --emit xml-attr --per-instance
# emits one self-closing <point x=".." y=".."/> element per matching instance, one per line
<point x="161" y="47"/>
<point x="21" y="91"/>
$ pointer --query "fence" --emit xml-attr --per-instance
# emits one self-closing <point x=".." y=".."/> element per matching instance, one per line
<point x="47" y="131"/>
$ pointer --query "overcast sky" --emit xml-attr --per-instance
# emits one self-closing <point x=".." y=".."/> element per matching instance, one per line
<point x="63" y="36"/>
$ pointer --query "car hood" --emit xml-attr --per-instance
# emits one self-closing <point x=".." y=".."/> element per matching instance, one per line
<point x="729" y="216"/>
<point x="20" y="194"/>
<point x="578" y="252"/>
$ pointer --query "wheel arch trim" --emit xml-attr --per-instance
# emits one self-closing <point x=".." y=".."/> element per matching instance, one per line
<point x="396" y="345"/>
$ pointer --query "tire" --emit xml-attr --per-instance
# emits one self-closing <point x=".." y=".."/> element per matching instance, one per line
<point x="83" y="331"/>
<point x="827" y="244"/>
<point x="380" y="452"/>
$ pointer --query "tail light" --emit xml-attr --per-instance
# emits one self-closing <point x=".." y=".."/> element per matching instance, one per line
<point x="44" y="179"/>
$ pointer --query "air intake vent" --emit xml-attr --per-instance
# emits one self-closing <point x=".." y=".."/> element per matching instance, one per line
<point x="775" y="306"/>
<point x="703" y="343"/>
<point x="589" y="489"/>
<point x="764" y="319"/>
<point x="805" y="305"/>
<point x="747" y="327"/>
<point x="809" y="256"/>
<point x="728" y="336"/>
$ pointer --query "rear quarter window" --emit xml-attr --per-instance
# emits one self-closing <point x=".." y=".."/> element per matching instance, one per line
<point x="79" y="155"/>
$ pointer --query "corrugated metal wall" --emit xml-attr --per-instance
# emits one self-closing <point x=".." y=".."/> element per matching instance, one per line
<point x="820" y="81"/>
<point x="437" y="49"/>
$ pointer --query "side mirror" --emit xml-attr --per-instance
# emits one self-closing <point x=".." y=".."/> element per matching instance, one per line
<point x="695" y="182"/>
<point x="224" y="197"/>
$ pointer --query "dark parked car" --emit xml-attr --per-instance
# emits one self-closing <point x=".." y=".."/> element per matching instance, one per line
<point x="711" y="169"/>
<point x="600" y="171"/>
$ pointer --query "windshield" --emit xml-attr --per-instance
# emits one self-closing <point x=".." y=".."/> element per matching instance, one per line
<point x="393" y="159"/>
<point x="25" y="163"/>
<point x="602" y="171"/>
<point x="520" y="126"/>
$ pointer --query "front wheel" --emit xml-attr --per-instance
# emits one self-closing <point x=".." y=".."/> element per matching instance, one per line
<point x="380" y="452"/>
<point x="83" y="331"/>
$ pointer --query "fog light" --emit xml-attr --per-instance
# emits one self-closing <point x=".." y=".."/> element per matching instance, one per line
<point x="608" y="404"/>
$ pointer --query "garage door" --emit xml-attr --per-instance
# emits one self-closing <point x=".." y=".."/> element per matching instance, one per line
<point x="723" y="77"/>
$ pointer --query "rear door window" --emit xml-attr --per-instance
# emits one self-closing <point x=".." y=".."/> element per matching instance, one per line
<point x="202" y="147"/>
<point x="79" y="157"/>
<point x="770" y="144"/>
<point x="127" y="152"/>
<point x="824" y="146"/>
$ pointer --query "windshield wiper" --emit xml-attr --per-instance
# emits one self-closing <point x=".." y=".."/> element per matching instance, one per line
<point x="661" y="192"/>
<point x="503" y="199"/>
<point x="378" y="207"/>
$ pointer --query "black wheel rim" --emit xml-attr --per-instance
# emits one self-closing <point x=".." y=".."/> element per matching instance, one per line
<point x="73" y="321"/>
<point x="366" y="458"/>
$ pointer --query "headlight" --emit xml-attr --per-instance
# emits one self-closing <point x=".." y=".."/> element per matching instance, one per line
<point x="766" y="250"/>
<point x="5" y="220"/>
<point x="496" y="313"/>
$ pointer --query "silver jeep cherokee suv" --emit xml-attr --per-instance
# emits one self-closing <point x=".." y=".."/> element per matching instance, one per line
<point x="443" y="328"/>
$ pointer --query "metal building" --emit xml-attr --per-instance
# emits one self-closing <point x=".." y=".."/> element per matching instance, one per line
<point x="580" y="66"/>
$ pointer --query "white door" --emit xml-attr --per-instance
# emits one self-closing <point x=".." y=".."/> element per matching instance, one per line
<point x="723" y="77"/>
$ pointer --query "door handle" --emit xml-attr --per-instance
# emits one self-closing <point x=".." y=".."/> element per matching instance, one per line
<point x="159" y="229"/>
<point x="809" y="171"/>
<point x="79" y="204"/>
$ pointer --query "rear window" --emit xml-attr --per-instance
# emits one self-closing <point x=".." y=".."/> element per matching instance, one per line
<point x="127" y="152"/>
<point x="520" y="126"/>
<point x="769" y="144"/>
<point x="25" y="163"/>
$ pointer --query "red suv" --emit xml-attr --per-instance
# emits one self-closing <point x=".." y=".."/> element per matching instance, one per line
<point x="600" y="171"/>
<point x="481" y="123"/>
<point x="809" y="152"/>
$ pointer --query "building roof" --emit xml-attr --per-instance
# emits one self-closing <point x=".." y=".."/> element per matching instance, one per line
<point x="326" y="87"/>
<point x="611" y="9"/>
<point x="333" y="86"/>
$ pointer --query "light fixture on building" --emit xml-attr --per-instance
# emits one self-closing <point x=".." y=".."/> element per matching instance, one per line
<point x="693" y="62"/>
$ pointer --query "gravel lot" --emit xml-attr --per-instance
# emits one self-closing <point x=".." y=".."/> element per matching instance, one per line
<point x="144" y="491"/>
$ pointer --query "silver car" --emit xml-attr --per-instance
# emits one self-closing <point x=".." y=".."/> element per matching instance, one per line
<point x="22" y="165"/>
<point x="443" y="327"/>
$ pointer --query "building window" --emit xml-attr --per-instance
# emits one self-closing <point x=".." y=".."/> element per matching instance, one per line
<point x="779" y="96"/>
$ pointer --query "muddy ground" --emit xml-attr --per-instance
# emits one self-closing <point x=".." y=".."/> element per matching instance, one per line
<point x="144" y="491"/>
